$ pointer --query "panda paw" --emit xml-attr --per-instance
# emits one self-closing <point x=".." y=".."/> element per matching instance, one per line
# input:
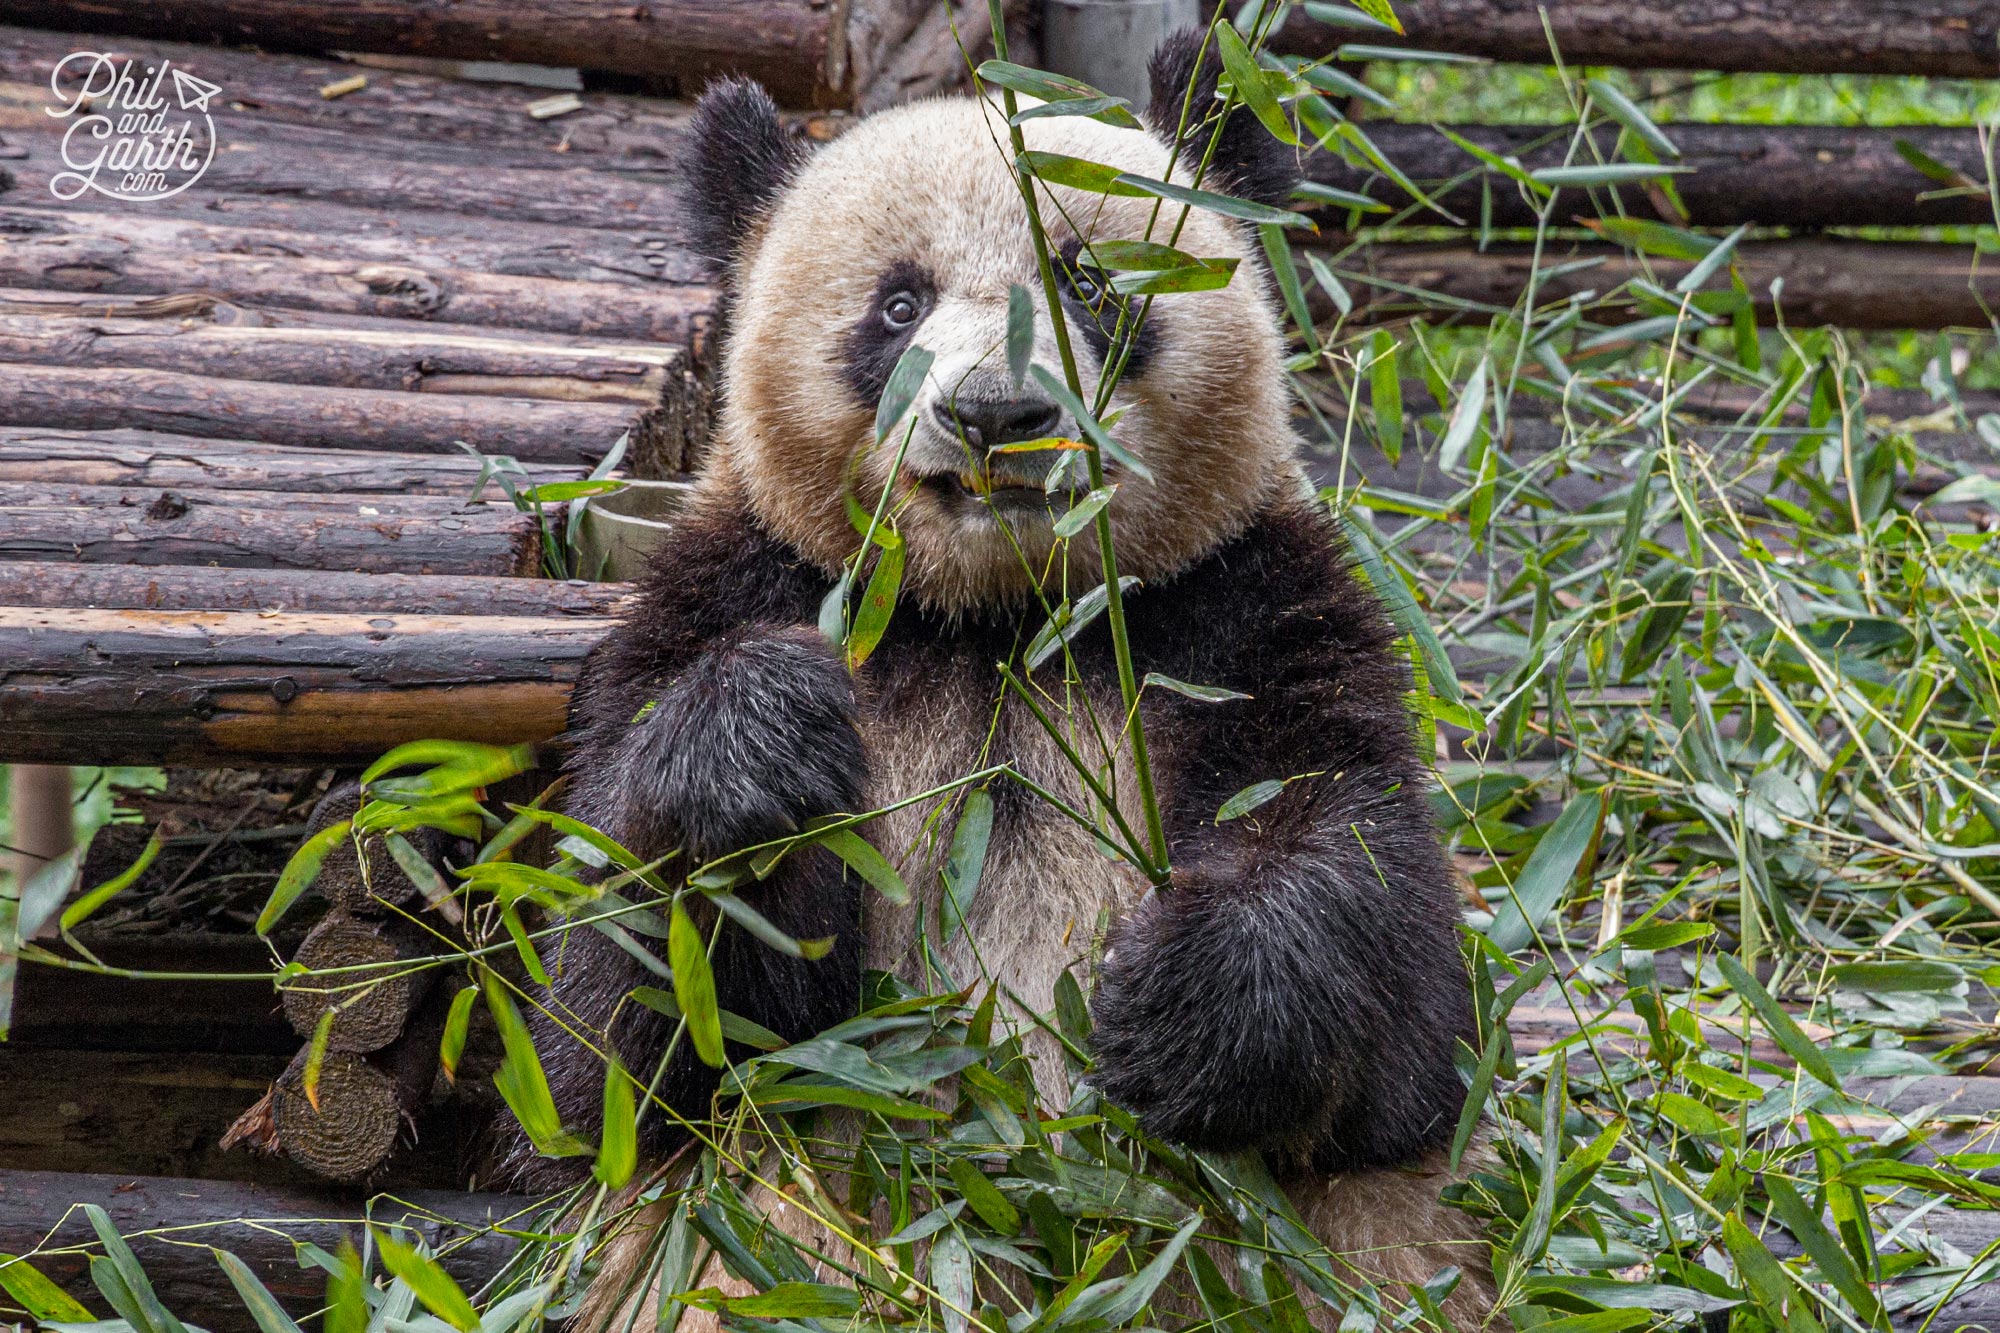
<point x="1196" y="1028"/>
<point x="753" y="739"/>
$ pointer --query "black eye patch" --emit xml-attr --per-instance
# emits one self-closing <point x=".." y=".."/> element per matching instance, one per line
<point x="1095" y="311"/>
<point x="903" y="297"/>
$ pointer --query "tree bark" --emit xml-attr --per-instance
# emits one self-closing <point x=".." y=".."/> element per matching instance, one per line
<point x="796" y="48"/>
<point x="417" y="291"/>
<point x="416" y="107"/>
<point x="310" y="416"/>
<point x="200" y="588"/>
<point x="1769" y="175"/>
<point x="425" y="359"/>
<point x="240" y="688"/>
<point x="267" y="529"/>
<point x="1957" y="39"/>
<point x="1852" y="284"/>
<point x="160" y="459"/>
<point x="160" y="1215"/>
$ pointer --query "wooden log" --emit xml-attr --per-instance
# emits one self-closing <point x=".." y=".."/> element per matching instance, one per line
<point x="1771" y="175"/>
<point x="138" y="527"/>
<point x="72" y="495"/>
<point x="400" y="104"/>
<point x="344" y="1128"/>
<point x="373" y="990"/>
<point x="310" y="416"/>
<point x="1851" y="284"/>
<point x="146" y="1114"/>
<point x="420" y="360"/>
<point x="126" y="457"/>
<point x="157" y="1010"/>
<point x="161" y="1215"/>
<point x="456" y="197"/>
<point x="796" y="48"/>
<point x="109" y="265"/>
<point x="242" y="688"/>
<point x="361" y="878"/>
<point x="189" y="588"/>
<point x="1957" y="39"/>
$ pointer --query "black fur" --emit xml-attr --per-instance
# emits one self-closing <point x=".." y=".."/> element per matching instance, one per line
<point x="1298" y="989"/>
<point x="871" y="348"/>
<point x="739" y="157"/>
<point x="1250" y="163"/>
<point x="751" y="732"/>
<point x="1097" y="313"/>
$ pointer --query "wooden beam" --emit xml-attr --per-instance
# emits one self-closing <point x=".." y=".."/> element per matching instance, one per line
<point x="1946" y="39"/>
<point x="1768" y="175"/>
<point x="242" y="688"/>
<point x="133" y="264"/>
<point x="310" y="416"/>
<point x="202" y="588"/>
<point x="171" y="1222"/>
<point x="1851" y="284"/>
<point x="796" y="48"/>
<point x="163" y="459"/>
<point x="265" y="530"/>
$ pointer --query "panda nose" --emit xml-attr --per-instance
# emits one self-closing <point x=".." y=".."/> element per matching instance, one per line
<point x="987" y="423"/>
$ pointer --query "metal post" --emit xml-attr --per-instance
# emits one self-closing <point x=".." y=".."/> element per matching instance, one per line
<point x="1107" y="43"/>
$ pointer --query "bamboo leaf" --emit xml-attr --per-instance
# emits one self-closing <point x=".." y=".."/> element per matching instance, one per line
<point x="257" y="1298"/>
<point x="457" y="1023"/>
<point x="694" y="987"/>
<point x="1566" y="849"/>
<point x="35" y="1293"/>
<point x="904" y="383"/>
<point x="1627" y="113"/>
<point x="522" y="1083"/>
<point x="84" y="907"/>
<point x="618" y="1146"/>
<point x="1777" y="1022"/>
<point x="864" y="860"/>
<point x="299" y="873"/>
<point x="1020" y="333"/>
<point x="433" y="1286"/>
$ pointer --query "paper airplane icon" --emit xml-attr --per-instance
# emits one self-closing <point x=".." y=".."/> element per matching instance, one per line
<point x="194" y="93"/>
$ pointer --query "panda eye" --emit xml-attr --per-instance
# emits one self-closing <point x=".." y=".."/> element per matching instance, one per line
<point x="1087" y="284"/>
<point x="901" y="311"/>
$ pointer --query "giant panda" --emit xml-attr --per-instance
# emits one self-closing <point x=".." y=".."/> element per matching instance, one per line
<point x="1298" y="988"/>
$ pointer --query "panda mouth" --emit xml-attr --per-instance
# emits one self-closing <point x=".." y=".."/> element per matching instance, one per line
<point x="969" y="489"/>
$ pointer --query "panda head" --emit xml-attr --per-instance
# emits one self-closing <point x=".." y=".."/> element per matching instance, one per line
<point x="909" y="228"/>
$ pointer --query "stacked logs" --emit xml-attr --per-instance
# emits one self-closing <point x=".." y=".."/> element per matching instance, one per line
<point x="341" y="1104"/>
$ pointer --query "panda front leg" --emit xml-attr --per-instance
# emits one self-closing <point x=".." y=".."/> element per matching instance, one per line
<point x="745" y="743"/>
<point x="1298" y="988"/>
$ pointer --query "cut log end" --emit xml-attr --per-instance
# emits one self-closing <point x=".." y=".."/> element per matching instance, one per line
<point x="354" y="1128"/>
<point x="370" y="1006"/>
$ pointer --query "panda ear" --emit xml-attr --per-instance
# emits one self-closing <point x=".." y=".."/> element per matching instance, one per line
<point x="1251" y="163"/>
<point x="739" y="158"/>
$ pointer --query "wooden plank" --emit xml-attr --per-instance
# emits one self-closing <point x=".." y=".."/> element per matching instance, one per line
<point x="1851" y="284"/>
<point x="126" y="457"/>
<point x="132" y="526"/>
<point x="1956" y="39"/>
<point x="190" y="588"/>
<point x="796" y="48"/>
<point x="108" y="264"/>
<point x="310" y="416"/>
<point x="226" y="342"/>
<point x="1771" y="175"/>
<point x="242" y="688"/>
<point x="172" y="1222"/>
